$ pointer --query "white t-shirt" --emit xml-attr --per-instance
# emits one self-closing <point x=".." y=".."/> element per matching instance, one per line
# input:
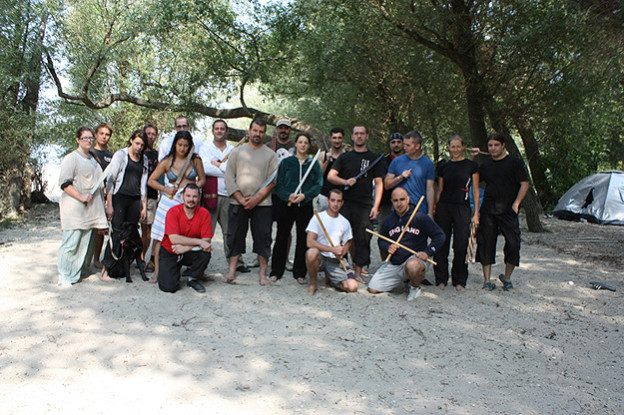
<point x="339" y="230"/>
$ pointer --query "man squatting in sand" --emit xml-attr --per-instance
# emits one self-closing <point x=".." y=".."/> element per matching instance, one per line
<point x="321" y="255"/>
<point x="403" y="265"/>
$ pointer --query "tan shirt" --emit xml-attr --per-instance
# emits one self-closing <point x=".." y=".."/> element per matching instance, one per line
<point x="248" y="169"/>
<point x="83" y="172"/>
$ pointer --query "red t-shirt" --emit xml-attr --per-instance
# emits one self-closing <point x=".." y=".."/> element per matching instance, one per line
<point x="177" y="223"/>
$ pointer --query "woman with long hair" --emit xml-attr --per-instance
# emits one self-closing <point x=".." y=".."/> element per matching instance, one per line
<point x="126" y="188"/>
<point x="453" y="214"/>
<point x="171" y="193"/>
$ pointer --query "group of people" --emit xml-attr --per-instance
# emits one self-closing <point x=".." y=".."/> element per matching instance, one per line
<point x="182" y="191"/>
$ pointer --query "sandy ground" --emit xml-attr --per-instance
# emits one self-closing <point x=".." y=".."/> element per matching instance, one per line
<point x="552" y="346"/>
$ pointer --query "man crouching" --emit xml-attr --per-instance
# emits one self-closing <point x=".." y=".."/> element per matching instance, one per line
<point x="188" y="232"/>
<point x="329" y="238"/>
<point x="404" y="265"/>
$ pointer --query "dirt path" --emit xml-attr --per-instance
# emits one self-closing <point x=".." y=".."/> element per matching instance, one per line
<point x="547" y="347"/>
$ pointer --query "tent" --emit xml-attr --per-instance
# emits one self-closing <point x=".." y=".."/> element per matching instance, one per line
<point x="598" y="198"/>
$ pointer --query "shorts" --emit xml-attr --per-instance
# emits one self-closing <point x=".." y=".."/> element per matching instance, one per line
<point x="389" y="276"/>
<point x="152" y="205"/>
<point x="239" y="220"/>
<point x="334" y="270"/>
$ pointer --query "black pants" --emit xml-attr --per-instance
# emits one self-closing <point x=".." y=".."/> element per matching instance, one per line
<point x="453" y="219"/>
<point x="487" y="235"/>
<point x="125" y="209"/>
<point x="300" y="215"/>
<point x="358" y="217"/>
<point x="169" y="266"/>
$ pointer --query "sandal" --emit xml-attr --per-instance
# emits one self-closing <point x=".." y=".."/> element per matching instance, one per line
<point x="507" y="285"/>
<point x="302" y="281"/>
<point x="274" y="278"/>
<point x="489" y="286"/>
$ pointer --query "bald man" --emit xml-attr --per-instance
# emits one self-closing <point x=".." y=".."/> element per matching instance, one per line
<point x="404" y="265"/>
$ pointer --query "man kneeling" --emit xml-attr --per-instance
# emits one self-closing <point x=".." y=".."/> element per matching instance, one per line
<point x="325" y="254"/>
<point x="188" y="232"/>
<point x="403" y="265"/>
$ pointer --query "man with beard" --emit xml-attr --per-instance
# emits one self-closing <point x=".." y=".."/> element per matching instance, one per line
<point x="188" y="233"/>
<point x="247" y="179"/>
<point x="327" y="159"/>
<point x="150" y="132"/>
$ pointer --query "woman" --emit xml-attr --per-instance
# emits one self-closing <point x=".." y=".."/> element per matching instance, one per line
<point x="453" y="213"/>
<point x="82" y="212"/>
<point x="290" y="173"/>
<point x="126" y="190"/>
<point x="172" y="167"/>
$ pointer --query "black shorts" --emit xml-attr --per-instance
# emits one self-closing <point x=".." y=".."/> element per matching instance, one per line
<point x="238" y="224"/>
<point x="487" y="234"/>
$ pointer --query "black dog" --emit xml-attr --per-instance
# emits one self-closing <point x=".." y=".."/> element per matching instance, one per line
<point x="126" y="247"/>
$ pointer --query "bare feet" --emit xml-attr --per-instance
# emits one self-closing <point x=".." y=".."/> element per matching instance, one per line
<point x="311" y="289"/>
<point x="273" y="278"/>
<point x="230" y="279"/>
<point x="460" y="288"/>
<point x="359" y="279"/>
<point x="104" y="276"/>
<point x="264" y="280"/>
<point x="301" y="280"/>
<point x="153" y="279"/>
<point x="441" y="286"/>
<point x="97" y="264"/>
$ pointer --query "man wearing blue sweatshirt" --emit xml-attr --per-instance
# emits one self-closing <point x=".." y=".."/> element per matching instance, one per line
<point x="403" y="265"/>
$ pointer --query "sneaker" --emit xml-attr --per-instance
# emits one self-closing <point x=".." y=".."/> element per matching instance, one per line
<point x="242" y="269"/>
<point x="414" y="292"/>
<point x="149" y="267"/>
<point x="254" y="263"/>
<point x="289" y="265"/>
<point x="196" y="285"/>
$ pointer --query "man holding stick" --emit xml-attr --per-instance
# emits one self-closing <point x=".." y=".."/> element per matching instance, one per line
<point x="329" y="239"/>
<point x="248" y="168"/>
<point x="359" y="207"/>
<point x="415" y="230"/>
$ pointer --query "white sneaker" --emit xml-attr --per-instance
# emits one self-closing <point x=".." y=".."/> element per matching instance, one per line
<point x="414" y="292"/>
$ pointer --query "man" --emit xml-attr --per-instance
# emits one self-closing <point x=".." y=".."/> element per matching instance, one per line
<point x="188" y="233"/>
<point x="212" y="156"/>
<point x="507" y="185"/>
<point x="282" y="144"/>
<point x="327" y="159"/>
<point x="395" y="142"/>
<point x="321" y="255"/>
<point x="150" y="132"/>
<point x="414" y="172"/>
<point x="181" y="123"/>
<point x="103" y="156"/>
<point x="359" y="207"/>
<point x="247" y="175"/>
<point x="403" y="265"/>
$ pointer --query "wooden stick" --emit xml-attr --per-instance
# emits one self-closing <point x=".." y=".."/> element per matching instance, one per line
<point x="407" y="224"/>
<point x="471" y="243"/>
<point x="329" y="240"/>
<point x="392" y="241"/>
<point x="305" y="176"/>
<point x="241" y="141"/>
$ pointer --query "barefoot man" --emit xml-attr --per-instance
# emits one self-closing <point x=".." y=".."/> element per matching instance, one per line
<point x="248" y="169"/>
<point x="321" y="255"/>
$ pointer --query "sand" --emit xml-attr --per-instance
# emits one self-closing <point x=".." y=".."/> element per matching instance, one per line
<point x="551" y="346"/>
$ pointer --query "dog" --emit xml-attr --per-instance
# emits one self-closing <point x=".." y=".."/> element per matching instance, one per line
<point x="123" y="248"/>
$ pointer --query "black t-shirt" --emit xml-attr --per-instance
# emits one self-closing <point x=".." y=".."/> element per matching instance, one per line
<point x="131" y="185"/>
<point x="503" y="179"/>
<point x="152" y="162"/>
<point x="457" y="178"/>
<point x="350" y="164"/>
<point x="386" y="198"/>
<point x="103" y="157"/>
<point x="327" y="186"/>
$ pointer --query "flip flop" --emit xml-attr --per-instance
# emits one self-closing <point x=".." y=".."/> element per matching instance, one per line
<point x="229" y="281"/>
